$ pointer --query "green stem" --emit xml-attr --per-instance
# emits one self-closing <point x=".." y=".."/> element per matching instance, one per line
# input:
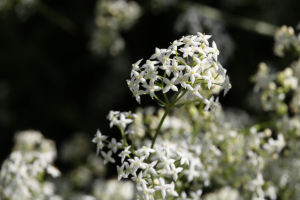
<point x="123" y="136"/>
<point x="159" y="126"/>
<point x="160" y="100"/>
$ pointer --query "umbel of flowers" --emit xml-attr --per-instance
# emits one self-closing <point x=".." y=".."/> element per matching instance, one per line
<point x="189" y="68"/>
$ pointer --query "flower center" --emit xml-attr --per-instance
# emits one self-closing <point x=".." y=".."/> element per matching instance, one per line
<point x="145" y="192"/>
<point x="192" y="72"/>
<point x="152" y="88"/>
<point x="162" y="187"/>
<point x="171" y="84"/>
<point x="137" y="163"/>
<point x="175" y="68"/>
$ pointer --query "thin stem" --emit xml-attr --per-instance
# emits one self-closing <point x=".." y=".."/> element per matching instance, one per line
<point x="123" y="136"/>
<point x="198" y="100"/>
<point x="196" y="126"/>
<point x="159" y="125"/>
<point x="160" y="100"/>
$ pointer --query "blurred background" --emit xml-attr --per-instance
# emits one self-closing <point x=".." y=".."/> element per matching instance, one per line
<point x="64" y="64"/>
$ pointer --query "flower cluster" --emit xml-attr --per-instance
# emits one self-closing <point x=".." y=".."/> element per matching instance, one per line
<point x="22" y="173"/>
<point x="189" y="66"/>
<point x="285" y="39"/>
<point x="111" y="18"/>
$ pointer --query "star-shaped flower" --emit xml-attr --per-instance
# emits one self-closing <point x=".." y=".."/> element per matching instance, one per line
<point x="107" y="157"/>
<point x="138" y="162"/>
<point x="124" y="153"/>
<point x="226" y="85"/>
<point x="193" y="92"/>
<point x="171" y="191"/>
<point x="215" y="51"/>
<point x="151" y="88"/>
<point x="203" y="38"/>
<point x="145" y="151"/>
<point x="121" y="172"/>
<point x="162" y="187"/>
<point x="123" y="121"/>
<point x="113" y="145"/>
<point x="174" y="171"/>
<point x="144" y="191"/>
<point x="181" y="79"/>
<point x="192" y="73"/>
<point x="139" y="179"/>
<point x="150" y="168"/>
<point x="170" y="84"/>
<point x="135" y="66"/>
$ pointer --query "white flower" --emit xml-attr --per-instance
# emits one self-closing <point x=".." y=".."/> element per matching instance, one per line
<point x="189" y="41"/>
<point x="124" y="153"/>
<point x="184" y="158"/>
<point x="170" y="85"/>
<point x="175" y="68"/>
<point x="165" y="162"/>
<point x="201" y="63"/>
<point x="163" y="187"/>
<point x="54" y="172"/>
<point x="215" y="51"/>
<point x="191" y="173"/>
<point x="114" y="121"/>
<point x="187" y="51"/>
<point x="150" y="64"/>
<point x="99" y="137"/>
<point x="139" y="77"/>
<point x="138" y="162"/>
<point x="136" y="92"/>
<point x="203" y="38"/>
<point x="193" y="92"/>
<point x="144" y="191"/>
<point x="145" y="151"/>
<point x="175" y="44"/>
<point x="130" y="114"/>
<point x="107" y="157"/>
<point x="221" y="70"/>
<point x="196" y="195"/>
<point x="149" y="168"/>
<point x="183" y="196"/>
<point x="174" y="171"/>
<point x="135" y="66"/>
<point x="158" y="53"/>
<point x="209" y="79"/>
<point x="113" y="145"/>
<point x="192" y="73"/>
<point x="171" y="190"/>
<point x="130" y="169"/>
<point x="210" y="104"/>
<point x="151" y="88"/>
<point x="152" y="73"/>
<point x="139" y="179"/>
<point x="111" y="114"/>
<point x="226" y="85"/>
<point x="181" y="79"/>
<point x="121" y="172"/>
<point x="123" y="121"/>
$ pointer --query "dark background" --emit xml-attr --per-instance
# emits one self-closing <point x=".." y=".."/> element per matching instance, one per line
<point x="51" y="81"/>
